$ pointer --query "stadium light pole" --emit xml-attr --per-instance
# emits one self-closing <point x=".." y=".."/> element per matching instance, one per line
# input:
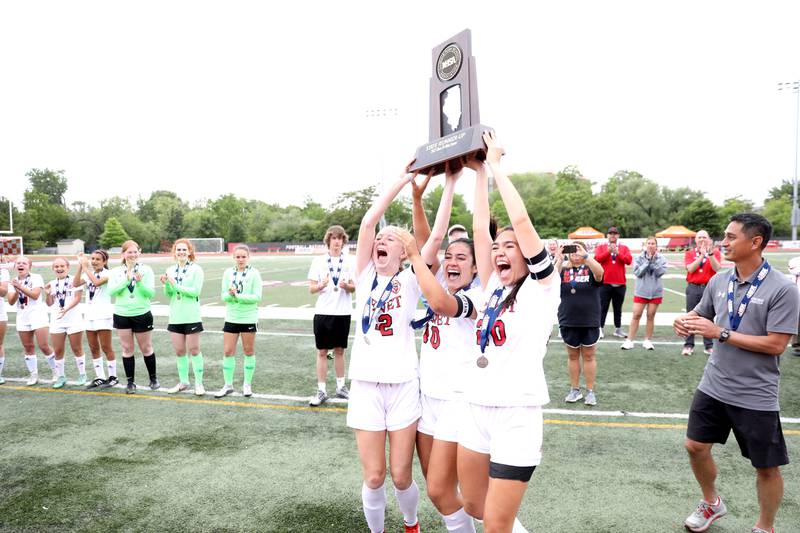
<point x="794" y="86"/>
<point x="382" y="116"/>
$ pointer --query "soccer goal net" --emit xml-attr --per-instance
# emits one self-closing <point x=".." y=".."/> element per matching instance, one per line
<point x="208" y="244"/>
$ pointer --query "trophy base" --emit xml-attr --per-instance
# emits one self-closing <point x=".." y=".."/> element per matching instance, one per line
<point x="434" y="155"/>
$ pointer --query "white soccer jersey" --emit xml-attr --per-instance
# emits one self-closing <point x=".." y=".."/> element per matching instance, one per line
<point x="63" y="292"/>
<point x="4" y="277"/>
<point x="331" y="301"/>
<point x="98" y="302"/>
<point x="28" y="309"/>
<point x="446" y="353"/>
<point x="514" y="375"/>
<point x="389" y="355"/>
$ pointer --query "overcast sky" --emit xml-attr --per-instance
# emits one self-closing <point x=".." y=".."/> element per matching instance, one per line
<point x="269" y="100"/>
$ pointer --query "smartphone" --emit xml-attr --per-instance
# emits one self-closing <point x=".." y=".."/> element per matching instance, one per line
<point x="570" y="248"/>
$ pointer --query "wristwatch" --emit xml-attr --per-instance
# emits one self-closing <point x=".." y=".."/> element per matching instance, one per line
<point x="724" y="335"/>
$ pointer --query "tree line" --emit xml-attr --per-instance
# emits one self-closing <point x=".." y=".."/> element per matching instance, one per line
<point x="557" y="204"/>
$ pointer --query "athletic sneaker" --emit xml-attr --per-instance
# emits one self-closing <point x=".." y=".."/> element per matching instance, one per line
<point x="81" y="380"/>
<point x="199" y="390"/>
<point x="602" y="335"/>
<point x="705" y="514"/>
<point x="2" y="380"/>
<point x="627" y="345"/>
<point x="247" y="390"/>
<point x="411" y="529"/>
<point x="154" y="384"/>
<point x="60" y="382"/>
<point x="130" y="388"/>
<point x="110" y="382"/>
<point x="343" y="392"/>
<point x="708" y="351"/>
<point x="590" y="398"/>
<point x="96" y="382"/>
<point x="33" y="379"/>
<point x="574" y="395"/>
<point x="647" y="344"/>
<point x="180" y="387"/>
<point x="318" y="399"/>
<point x="224" y="391"/>
<point x="757" y="529"/>
<point x="619" y="333"/>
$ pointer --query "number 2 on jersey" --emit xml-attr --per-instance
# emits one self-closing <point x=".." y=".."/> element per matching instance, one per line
<point x="384" y="325"/>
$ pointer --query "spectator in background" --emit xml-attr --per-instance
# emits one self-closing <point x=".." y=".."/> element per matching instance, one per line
<point x="701" y="265"/>
<point x="457" y="231"/>
<point x="794" y="272"/>
<point x="613" y="256"/>
<point x="648" y="269"/>
<point x="552" y="250"/>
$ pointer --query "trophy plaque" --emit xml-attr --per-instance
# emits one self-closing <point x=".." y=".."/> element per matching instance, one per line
<point x="455" y="128"/>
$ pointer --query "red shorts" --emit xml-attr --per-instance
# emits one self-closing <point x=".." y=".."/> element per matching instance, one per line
<point x="640" y="300"/>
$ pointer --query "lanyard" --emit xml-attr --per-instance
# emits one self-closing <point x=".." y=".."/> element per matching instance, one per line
<point x="238" y="284"/>
<point x="61" y="294"/>
<point x="179" y="274"/>
<point x="335" y="277"/>
<point x="490" y="315"/>
<point x="132" y="282"/>
<point x="91" y="286"/>
<point x="702" y="261"/>
<point x="368" y="314"/>
<point x="22" y="299"/>
<point x="736" y="318"/>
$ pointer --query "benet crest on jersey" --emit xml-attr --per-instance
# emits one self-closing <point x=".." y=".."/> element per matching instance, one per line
<point x="395" y="286"/>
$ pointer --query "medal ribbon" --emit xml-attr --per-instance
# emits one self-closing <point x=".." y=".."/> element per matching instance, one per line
<point x="132" y="283"/>
<point x="736" y="318"/>
<point x="368" y="314"/>
<point x="573" y="281"/>
<point x="702" y="261"/>
<point x="22" y="299"/>
<point x="61" y="295"/>
<point x="179" y="274"/>
<point x="335" y="277"/>
<point x="239" y="285"/>
<point x="490" y="315"/>
<point x="92" y="287"/>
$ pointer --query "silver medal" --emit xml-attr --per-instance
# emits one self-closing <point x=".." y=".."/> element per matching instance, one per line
<point x="335" y="288"/>
<point x="482" y="362"/>
<point x="366" y="339"/>
<point x="131" y="296"/>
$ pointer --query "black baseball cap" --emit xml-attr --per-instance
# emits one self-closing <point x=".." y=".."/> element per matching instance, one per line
<point x="613" y="229"/>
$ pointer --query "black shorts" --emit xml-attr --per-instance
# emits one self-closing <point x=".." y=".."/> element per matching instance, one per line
<point x="234" y="327"/>
<point x="138" y="324"/>
<point x="576" y="336"/>
<point x="331" y="331"/>
<point x="758" y="433"/>
<point x="186" y="329"/>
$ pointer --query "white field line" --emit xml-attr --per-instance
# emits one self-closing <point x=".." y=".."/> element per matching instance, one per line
<point x="567" y="412"/>
<point x="679" y="293"/>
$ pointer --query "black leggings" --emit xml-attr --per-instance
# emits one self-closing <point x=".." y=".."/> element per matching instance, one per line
<point x="611" y="295"/>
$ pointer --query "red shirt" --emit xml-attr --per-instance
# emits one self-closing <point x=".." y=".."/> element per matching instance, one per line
<point x="704" y="272"/>
<point x="613" y="267"/>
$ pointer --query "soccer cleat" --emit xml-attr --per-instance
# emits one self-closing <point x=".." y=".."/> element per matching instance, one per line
<point x="619" y="333"/>
<point x="705" y="514"/>
<point x="757" y="529"/>
<point x="687" y="351"/>
<point x="199" y="390"/>
<point x="343" y="392"/>
<point x="96" y="382"/>
<point x="590" y="398"/>
<point x="180" y="387"/>
<point x="647" y="344"/>
<point x="574" y="395"/>
<point x="224" y="391"/>
<point x="627" y="345"/>
<point x="247" y="390"/>
<point x="318" y="399"/>
<point x="708" y="351"/>
<point x="130" y="388"/>
<point x="81" y="380"/>
<point x="60" y="382"/>
<point x="33" y="379"/>
<point x="154" y="384"/>
<point x="110" y="382"/>
<point x="2" y="380"/>
<point x="602" y="335"/>
<point x="411" y="529"/>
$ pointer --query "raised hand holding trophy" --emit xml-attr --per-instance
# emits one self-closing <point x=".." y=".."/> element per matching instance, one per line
<point x="455" y="128"/>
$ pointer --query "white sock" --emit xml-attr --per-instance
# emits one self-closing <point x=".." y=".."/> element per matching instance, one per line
<point x="32" y="364"/>
<point x="339" y="383"/>
<point x="51" y="361"/>
<point x="112" y="368"/>
<point x="2" y="363"/>
<point x="408" y="500"/>
<point x="374" y="502"/>
<point x="98" y="367"/>
<point x="59" y="367"/>
<point x="518" y="527"/>
<point x="321" y="386"/>
<point x="80" y="361"/>
<point x="459" y="522"/>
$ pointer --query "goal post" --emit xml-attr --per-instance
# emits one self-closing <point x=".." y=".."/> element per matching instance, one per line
<point x="208" y="244"/>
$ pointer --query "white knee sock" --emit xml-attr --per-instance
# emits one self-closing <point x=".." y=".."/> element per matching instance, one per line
<point x="374" y="502"/>
<point x="518" y="527"/>
<point x="98" y="367"/>
<point x="32" y="364"/>
<point x="339" y="383"/>
<point x="51" y="361"/>
<point x="408" y="500"/>
<point x="112" y="368"/>
<point x="459" y="522"/>
<point x="80" y="361"/>
<point x="59" y="367"/>
<point x="2" y="364"/>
